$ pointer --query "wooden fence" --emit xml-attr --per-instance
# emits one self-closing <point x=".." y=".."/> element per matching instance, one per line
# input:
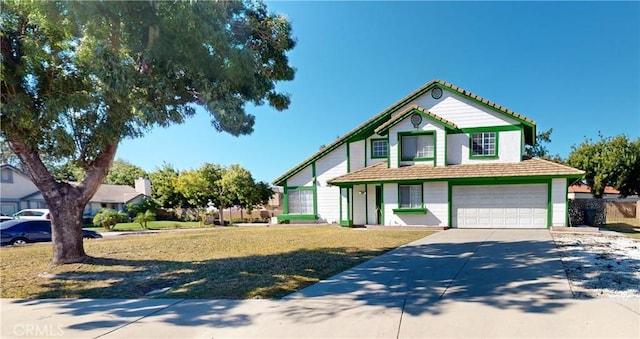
<point x="617" y="210"/>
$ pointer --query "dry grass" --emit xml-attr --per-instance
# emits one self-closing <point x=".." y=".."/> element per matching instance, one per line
<point x="630" y="227"/>
<point x="267" y="262"/>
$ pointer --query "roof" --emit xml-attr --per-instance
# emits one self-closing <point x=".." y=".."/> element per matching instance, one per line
<point x="115" y="193"/>
<point x="410" y="110"/>
<point x="382" y="117"/>
<point x="526" y="168"/>
<point x="581" y="188"/>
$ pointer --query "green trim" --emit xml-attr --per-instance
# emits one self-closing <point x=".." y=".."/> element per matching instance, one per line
<point x="521" y="143"/>
<point x="366" y="203"/>
<point x="349" y="218"/>
<point x="372" y="140"/>
<point x="446" y="142"/>
<point x="549" y="204"/>
<point x="351" y="201"/>
<point x="566" y="203"/>
<point x="340" y="203"/>
<point x="348" y="158"/>
<point x="480" y="156"/>
<point x="416" y="133"/>
<point x="409" y="113"/>
<point x="457" y="181"/>
<point x="315" y="188"/>
<point x="285" y="217"/>
<point x="285" y="198"/>
<point x="504" y="128"/>
<point x="409" y="211"/>
<point x="365" y="152"/>
<point x="382" y="205"/>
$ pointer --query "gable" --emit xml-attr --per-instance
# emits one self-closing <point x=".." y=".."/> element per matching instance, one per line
<point x="367" y="128"/>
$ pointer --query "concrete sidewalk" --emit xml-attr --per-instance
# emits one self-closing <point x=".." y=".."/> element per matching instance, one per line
<point x="453" y="284"/>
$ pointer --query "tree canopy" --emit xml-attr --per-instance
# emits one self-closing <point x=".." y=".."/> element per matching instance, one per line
<point x="123" y="172"/>
<point x="612" y="161"/>
<point x="78" y="77"/>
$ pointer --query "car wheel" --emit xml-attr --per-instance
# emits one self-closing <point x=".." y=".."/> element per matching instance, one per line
<point x="89" y="237"/>
<point x="19" y="242"/>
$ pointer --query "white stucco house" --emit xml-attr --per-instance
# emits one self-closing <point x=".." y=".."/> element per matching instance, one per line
<point x="18" y="192"/>
<point x="441" y="156"/>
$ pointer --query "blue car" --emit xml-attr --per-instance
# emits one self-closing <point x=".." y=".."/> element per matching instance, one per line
<point x="20" y="232"/>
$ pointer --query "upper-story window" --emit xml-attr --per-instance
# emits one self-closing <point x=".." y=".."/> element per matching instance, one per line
<point x="484" y="144"/>
<point x="417" y="146"/>
<point x="379" y="148"/>
<point x="7" y="176"/>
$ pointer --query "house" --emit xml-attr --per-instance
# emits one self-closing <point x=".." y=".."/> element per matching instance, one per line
<point x="582" y="191"/>
<point x="441" y="156"/>
<point x="18" y="192"/>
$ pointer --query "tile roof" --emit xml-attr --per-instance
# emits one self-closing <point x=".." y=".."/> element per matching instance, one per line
<point x="115" y="193"/>
<point x="527" y="167"/>
<point x="582" y="188"/>
<point x="385" y="114"/>
<point x="411" y="109"/>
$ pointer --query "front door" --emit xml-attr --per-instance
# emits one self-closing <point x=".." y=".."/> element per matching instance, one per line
<point x="378" y="205"/>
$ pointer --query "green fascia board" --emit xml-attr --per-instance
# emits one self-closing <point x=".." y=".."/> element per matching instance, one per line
<point x="413" y="111"/>
<point x="368" y="127"/>
<point x="284" y="217"/>
<point x="413" y="211"/>
<point x="466" y="181"/>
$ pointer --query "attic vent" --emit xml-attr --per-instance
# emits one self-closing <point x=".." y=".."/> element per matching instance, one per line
<point x="416" y="119"/>
<point x="436" y="93"/>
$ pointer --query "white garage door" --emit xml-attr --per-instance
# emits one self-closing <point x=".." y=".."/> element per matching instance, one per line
<point x="500" y="206"/>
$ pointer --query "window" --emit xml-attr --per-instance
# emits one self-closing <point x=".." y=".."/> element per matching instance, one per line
<point x="300" y="201"/>
<point x="417" y="147"/>
<point x="410" y="196"/>
<point x="7" y="175"/>
<point x="483" y="144"/>
<point x="379" y="148"/>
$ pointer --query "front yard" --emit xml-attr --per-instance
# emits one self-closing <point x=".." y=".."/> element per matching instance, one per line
<point x="222" y="262"/>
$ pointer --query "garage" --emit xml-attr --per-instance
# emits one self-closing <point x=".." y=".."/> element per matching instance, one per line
<point x="500" y="206"/>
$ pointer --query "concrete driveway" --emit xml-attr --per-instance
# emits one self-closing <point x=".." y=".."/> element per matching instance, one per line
<point x="456" y="283"/>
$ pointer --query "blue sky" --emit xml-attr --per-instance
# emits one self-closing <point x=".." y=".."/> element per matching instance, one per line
<point x="573" y="67"/>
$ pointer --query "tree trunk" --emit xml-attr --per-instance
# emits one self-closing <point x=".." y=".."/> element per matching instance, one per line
<point x="66" y="202"/>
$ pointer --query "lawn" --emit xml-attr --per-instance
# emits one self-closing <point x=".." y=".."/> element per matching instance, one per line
<point x="630" y="227"/>
<point x="222" y="262"/>
<point x="152" y="225"/>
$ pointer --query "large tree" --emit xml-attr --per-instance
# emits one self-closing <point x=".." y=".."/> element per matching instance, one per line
<point x="78" y="77"/>
<point x="612" y="161"/>
<point x="163" y="187"/>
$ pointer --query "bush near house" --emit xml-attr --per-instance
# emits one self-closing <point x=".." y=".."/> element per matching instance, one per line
<point x="108" y="218"/>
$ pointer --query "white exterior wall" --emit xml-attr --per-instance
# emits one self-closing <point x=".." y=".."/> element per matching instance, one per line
<point x="463" y="112"/>
<point x="20" y="187"/>
<point x="558" y="202"/>
<point x="371" y="203"/>
<point x="436" y="200"/>
<point x="390" y="200"/>
<point x="359" y="199"/>
<point x="509" y="148"/>
<point x="356" y="155"/>
<point x="302" y="178"/>
<point x="328" y="197"/>
<point x="406" y="126"/>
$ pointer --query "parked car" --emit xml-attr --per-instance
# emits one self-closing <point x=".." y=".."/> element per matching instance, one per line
<point x="4" y="217"/>
<point x="33" y="213"/>
<point x="20" y="232"/>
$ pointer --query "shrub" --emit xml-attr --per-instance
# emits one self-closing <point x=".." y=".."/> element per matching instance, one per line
<point x="144" y="217"/>
<point x="108" y="218"/>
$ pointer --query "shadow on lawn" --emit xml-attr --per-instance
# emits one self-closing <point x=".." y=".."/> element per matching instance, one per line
<point x="526" y="276"/>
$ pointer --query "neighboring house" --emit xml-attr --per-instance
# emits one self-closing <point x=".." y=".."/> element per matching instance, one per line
<point x="275" y="202"/>
<point x="581" y="191"/>
<point x="441" y="156"/>
<point x="18" y="192"/>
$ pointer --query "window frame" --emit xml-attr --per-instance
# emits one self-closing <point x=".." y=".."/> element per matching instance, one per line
<point x="401" y="135"/>
<point x="373" y="141"/>
<point x="483" y="156"/>
<point x="418" y="208"/>
<point x="309" y="210"/>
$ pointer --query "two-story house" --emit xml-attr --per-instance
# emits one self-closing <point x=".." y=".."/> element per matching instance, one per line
<point x="441" y="156"/>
